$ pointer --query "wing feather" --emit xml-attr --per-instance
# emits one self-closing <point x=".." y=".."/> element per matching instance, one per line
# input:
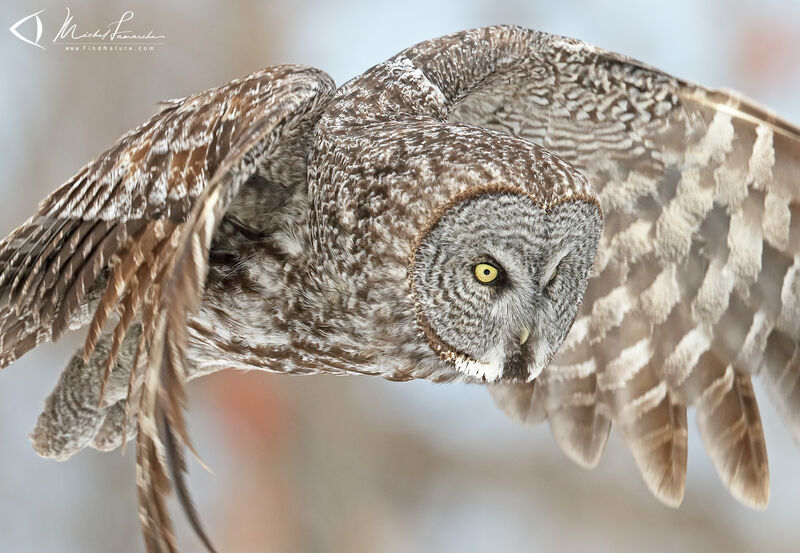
<point x="130" y="235"/>
<point x="699" y="256"/>
<point x="521" y="402"/>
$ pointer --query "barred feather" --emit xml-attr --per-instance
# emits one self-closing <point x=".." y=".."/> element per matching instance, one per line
<point x="699" y="254"/>
<point x="695" y="287"/>
<point x="134" y="212"/>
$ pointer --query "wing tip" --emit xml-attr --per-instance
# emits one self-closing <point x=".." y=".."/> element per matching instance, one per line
<point x="582" y="443"/>
<point x="750" y="487"/>
<point x="520" y="402"/>
<point x="668" y="486"/>
<point x="754" y="497"/>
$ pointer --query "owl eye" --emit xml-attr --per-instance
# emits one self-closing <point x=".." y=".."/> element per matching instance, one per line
<point x="486" y="273"/>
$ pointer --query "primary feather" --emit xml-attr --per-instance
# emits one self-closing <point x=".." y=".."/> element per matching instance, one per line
<point x="145" y="212"/>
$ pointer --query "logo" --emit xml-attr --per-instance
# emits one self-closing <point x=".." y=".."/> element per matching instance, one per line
<point x="17" y="34"/>
<point x="117" y="36"/>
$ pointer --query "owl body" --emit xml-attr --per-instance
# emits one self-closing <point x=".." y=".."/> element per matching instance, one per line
<point x="329" y="292"/>
<point x="334" y="294"/>
<point x="592" y="239"/>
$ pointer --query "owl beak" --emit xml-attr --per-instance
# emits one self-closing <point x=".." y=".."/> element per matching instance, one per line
<point x="523" y="337"/>
<point x="535" y="370"/>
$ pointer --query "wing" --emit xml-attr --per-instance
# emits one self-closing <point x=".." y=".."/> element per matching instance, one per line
<point x="695" y="287"/>
<point x="131" y="233"/>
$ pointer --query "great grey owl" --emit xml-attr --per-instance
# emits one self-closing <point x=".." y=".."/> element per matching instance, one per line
<point x="592" y="239"/>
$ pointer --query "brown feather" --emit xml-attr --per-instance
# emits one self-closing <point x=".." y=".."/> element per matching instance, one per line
<point x="579" y="427"/>
<point x="132" y="213"/>
<point x="45" y="243"/>
<point x="730" y="425"/>
<point x="522" y="402"/>
<point x="60" y="275"/>
<point x="699" y="252"/>
<point x="87" y="274"/>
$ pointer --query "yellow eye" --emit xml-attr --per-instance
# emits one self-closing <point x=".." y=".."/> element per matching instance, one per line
<point x="485" y="273"/>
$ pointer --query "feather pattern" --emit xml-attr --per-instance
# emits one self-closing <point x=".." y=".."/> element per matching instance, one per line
<point x="273" y="224"/>
<point x="146" y="212"/>
<point x="698" y="257"/>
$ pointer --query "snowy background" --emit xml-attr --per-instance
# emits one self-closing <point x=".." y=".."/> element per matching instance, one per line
<point x="315" y="464"/>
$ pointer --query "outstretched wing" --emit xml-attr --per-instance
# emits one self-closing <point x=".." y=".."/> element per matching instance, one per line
<point x="131" y="233"/>
<point x="696" y="286"/>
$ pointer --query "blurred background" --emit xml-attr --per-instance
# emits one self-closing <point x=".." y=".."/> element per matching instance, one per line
<point x="330" y="464"/>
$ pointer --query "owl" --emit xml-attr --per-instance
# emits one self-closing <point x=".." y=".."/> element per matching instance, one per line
<point x="593" y="240"/>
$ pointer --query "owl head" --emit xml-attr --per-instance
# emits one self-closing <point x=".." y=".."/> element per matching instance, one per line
<point x="476" y="245"/>
<point x="498" y="275"/>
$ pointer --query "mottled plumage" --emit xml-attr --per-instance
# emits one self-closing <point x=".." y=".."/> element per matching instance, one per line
<point x="644" y="235"/>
